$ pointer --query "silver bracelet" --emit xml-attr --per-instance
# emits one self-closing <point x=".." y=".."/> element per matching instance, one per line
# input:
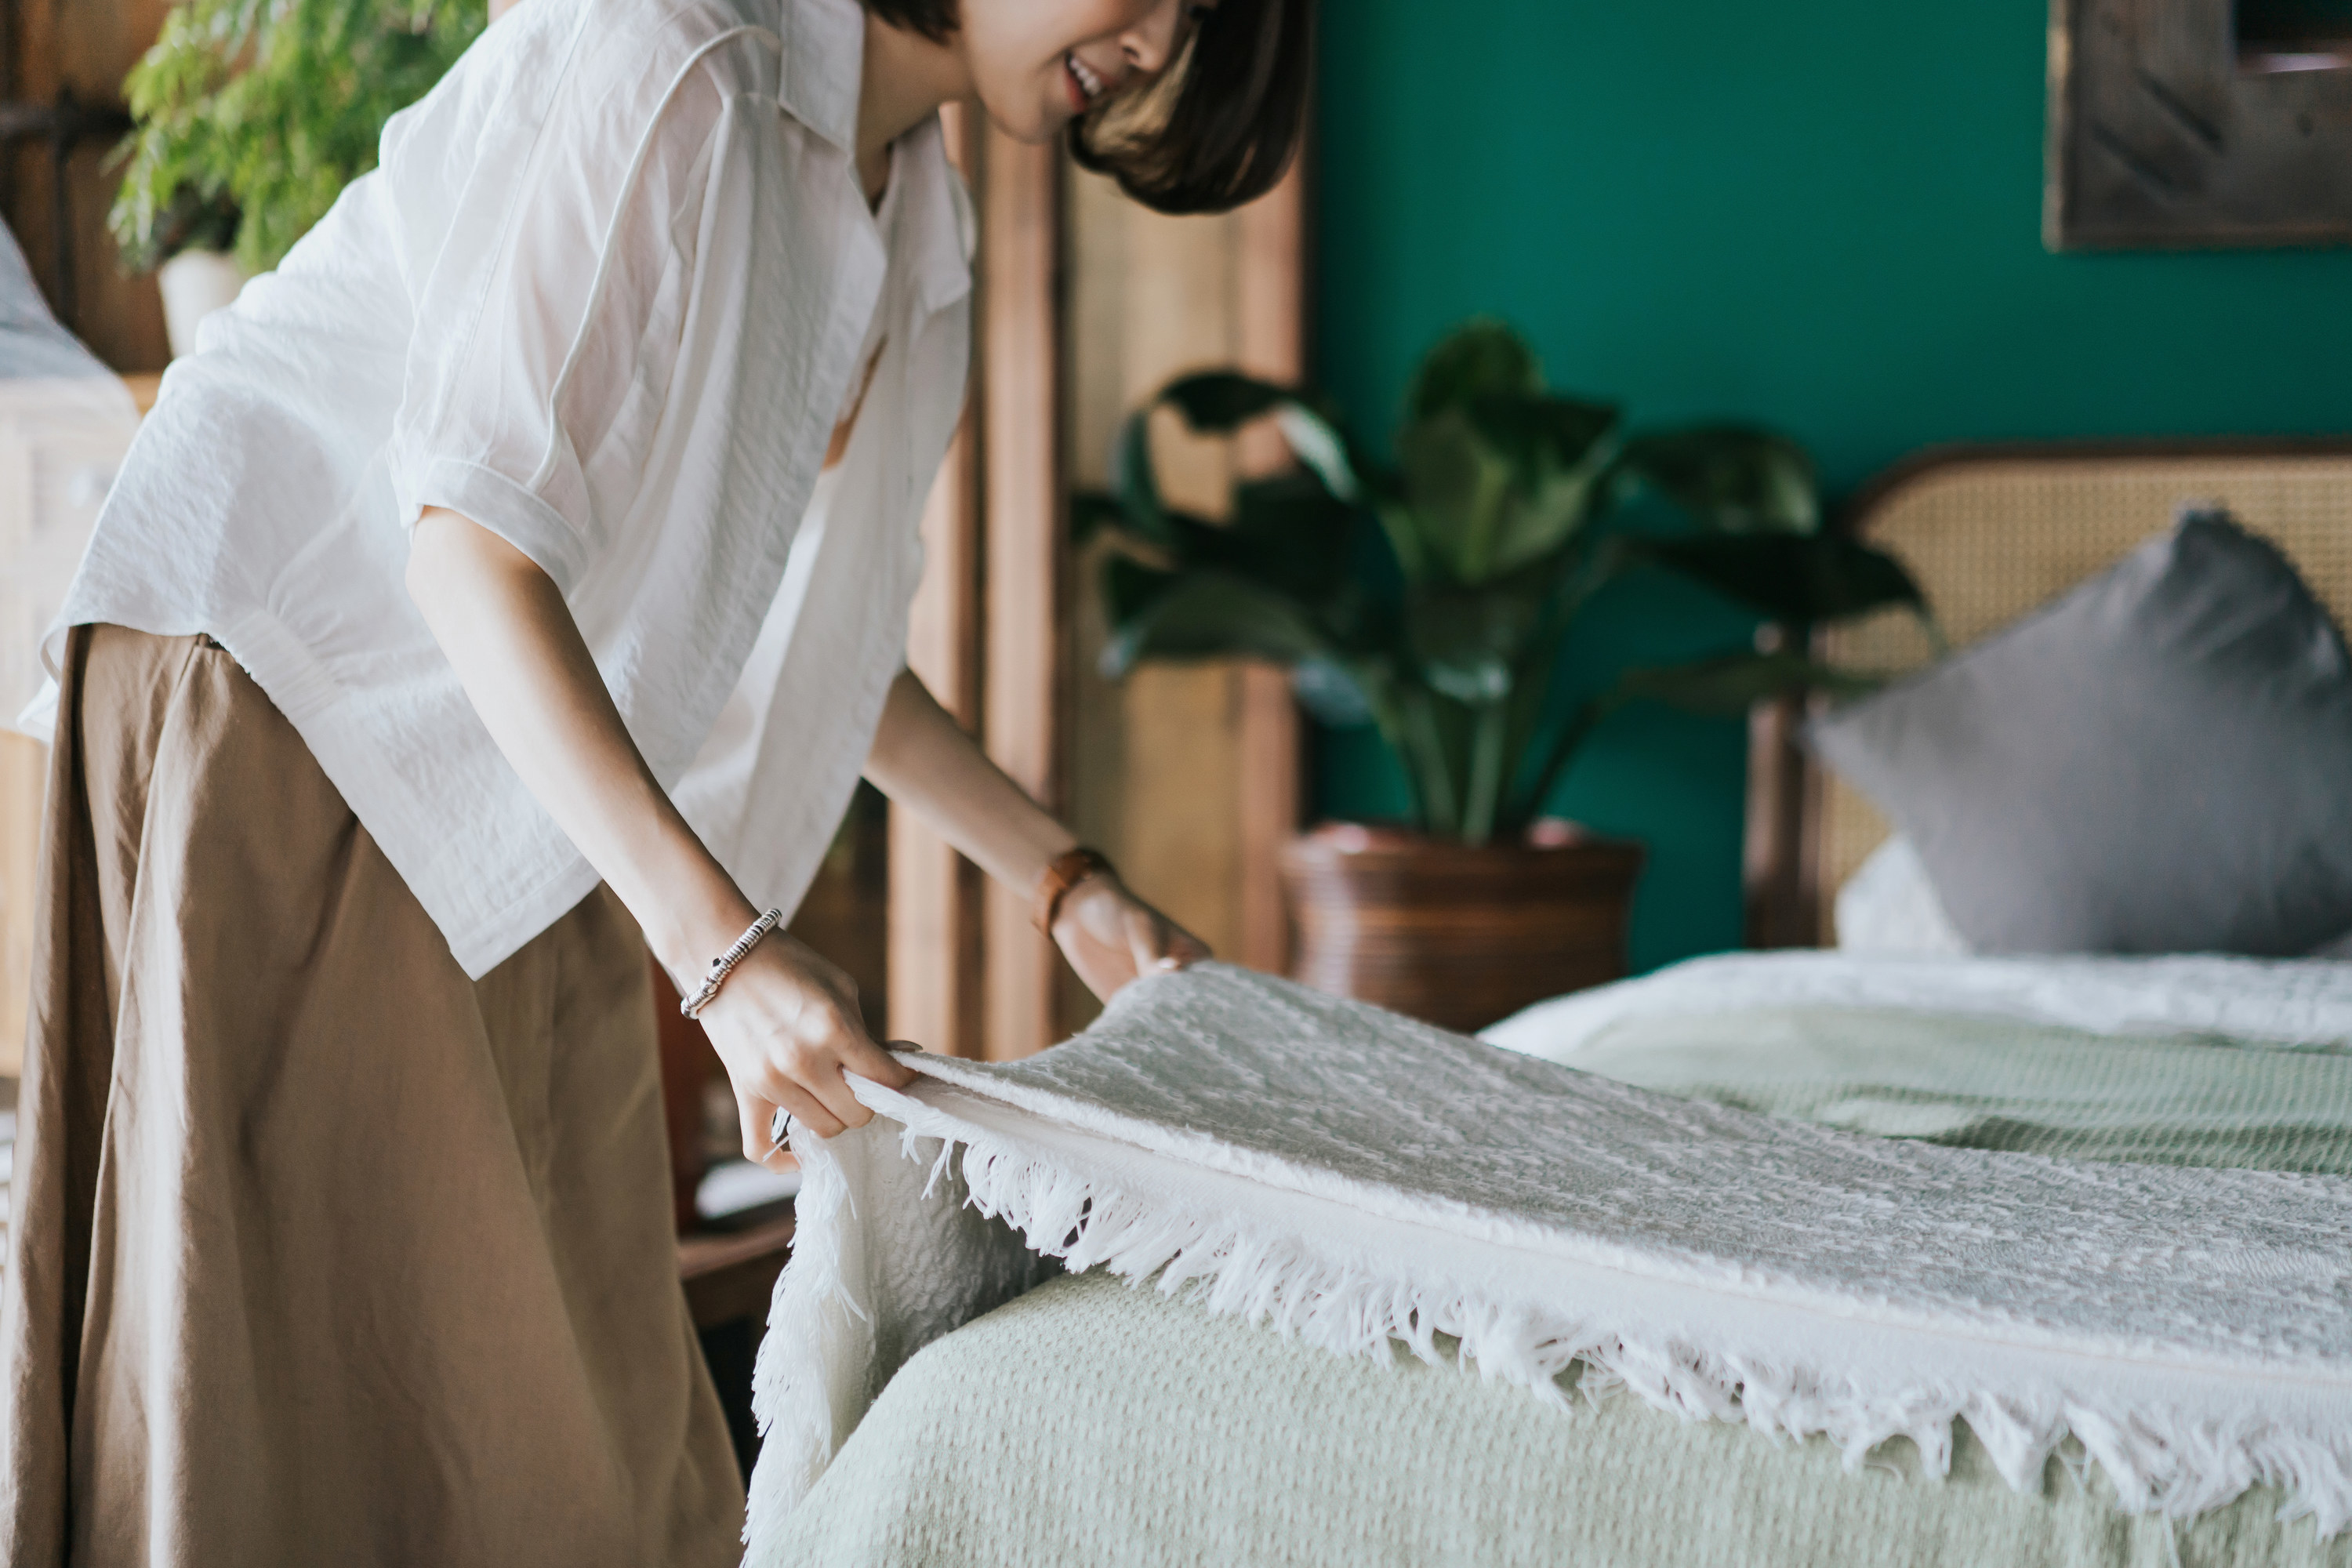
<point x="724" y="964"/>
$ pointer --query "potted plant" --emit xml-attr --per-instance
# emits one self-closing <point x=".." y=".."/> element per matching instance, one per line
<point x="1430" y="596"/>
<point x="250" y="117"/>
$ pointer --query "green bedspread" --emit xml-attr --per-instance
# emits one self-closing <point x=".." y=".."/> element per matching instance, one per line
<point x="1089" y="1423"/>
<point x="2182" y="1100"/>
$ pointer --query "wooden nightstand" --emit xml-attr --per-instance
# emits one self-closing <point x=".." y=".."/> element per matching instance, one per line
<point x="731" y="1273"/>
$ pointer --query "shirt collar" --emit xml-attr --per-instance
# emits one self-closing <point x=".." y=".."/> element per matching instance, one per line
<point x="825" y="55"/>
<point x="936" y="221"/>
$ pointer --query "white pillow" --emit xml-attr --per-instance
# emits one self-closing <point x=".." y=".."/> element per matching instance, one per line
<point x="1889" y="906"/>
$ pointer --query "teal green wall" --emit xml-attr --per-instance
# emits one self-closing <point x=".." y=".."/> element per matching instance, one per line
<point x="1824" y="217"/>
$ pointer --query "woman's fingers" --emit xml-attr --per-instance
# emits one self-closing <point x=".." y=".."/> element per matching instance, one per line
<point x="1111" y="937"/>
<point x="789" y="1028"/>
<point x="1158" y="942"/>
<point x="1146" y="941"/>
<point x="758" y="1116"/>
<point x="816" y="1094"/>
<point x="808" y="1108"/>
<point x="815" y="1075"/>
<point x="820" y="1068"/>
<point x="861" y="1056"/>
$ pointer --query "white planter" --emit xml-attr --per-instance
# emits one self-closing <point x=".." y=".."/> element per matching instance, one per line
<point x="194" y="283"/>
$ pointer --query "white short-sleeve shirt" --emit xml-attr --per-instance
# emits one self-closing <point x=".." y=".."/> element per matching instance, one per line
<point x="606" y="296"/>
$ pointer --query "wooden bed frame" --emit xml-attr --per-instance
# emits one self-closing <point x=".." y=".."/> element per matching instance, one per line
<point x="1989" y="533"/>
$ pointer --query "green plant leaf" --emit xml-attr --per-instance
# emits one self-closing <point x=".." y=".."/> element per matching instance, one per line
<point x="1457" y="485"/>
<point x="1729" y="686"/>
<point x="1211" y="615"/>
<point x="1469" y="643"/>
<point x="1434" y="739"/>
<point x="1136" y="482"/>
<point x="260" y="114"/>
<point x="1287" y="531"/>
<point x="1544" y="431"/>
<point x="1130" y="588"/>
<point x="1788" y="576"/>
<point x="1497" y="472"/>
<point x="1732" y="480"/>
<point x="1561" y="447"/>
<point x="1403" y="536"/>
<point x="1482" y="358"/>
<point x="1218" y="402"/>
<point x="1092" y="512"/>
<point x="1494" y="481"/>
<point x="1556" y="758"/>
<point x="1494" y="513"/>
<point x="1332" y="692"/>
<point x="1361" y="622"/>
<point x="1324" y="449"/>
<point x="1490" y="769"/>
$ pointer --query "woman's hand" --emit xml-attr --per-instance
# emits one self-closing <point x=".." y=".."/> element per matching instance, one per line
<point x="1111" y="937"/>
<point x="787" y="1025"/>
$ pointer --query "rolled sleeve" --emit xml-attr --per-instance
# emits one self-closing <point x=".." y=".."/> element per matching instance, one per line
<point x="495" y="502"/>
<point x="548" y="292"/>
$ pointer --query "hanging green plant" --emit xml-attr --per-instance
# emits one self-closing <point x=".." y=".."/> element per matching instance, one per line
<point x="253" y="115"/>
<point x="1501" y="519"/>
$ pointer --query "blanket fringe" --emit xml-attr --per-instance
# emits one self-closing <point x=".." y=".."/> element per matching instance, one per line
<point x="2155" y="1462"/>
<point x="813" y="1309"/>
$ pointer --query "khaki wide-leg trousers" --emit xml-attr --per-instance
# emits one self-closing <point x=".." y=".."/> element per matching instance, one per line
<point x="320" y="1252"/>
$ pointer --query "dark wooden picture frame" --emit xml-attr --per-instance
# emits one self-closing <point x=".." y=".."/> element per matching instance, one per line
<point x="2189" y="124"/>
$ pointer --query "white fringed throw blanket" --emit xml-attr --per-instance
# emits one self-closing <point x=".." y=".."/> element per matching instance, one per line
<point x="1352" y="1178"/>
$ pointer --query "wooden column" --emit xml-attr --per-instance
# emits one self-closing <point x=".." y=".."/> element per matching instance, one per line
<point x="1188" y="774"/>
<point x="934" y="915"/>
<point x="1190" y="778"/>
<point x="1022" y="513"/>
<point x="1177" y="735"/>
<point x="1270" y="305"/>
<point x="934" y="962"/>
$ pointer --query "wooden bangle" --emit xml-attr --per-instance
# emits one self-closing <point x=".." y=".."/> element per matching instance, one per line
<point x="1066" y="871"/>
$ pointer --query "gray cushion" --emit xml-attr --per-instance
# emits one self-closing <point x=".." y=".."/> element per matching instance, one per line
<point x="2160" y="761"/>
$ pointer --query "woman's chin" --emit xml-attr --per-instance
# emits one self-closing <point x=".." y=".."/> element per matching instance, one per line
<point x="1026" y="119"/>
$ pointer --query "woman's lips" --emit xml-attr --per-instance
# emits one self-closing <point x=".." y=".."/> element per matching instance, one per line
<point x="1084" y="84"/>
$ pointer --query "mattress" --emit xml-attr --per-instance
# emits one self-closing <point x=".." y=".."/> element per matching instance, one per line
<point x="1092" y="1423"/>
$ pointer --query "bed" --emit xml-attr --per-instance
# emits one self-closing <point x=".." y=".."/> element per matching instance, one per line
<point x="1090" y="1422"/>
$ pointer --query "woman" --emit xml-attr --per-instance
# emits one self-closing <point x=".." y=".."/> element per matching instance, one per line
<point x="522" y="567"/>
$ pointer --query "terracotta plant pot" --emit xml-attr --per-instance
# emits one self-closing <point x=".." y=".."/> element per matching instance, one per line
<point x="1456" y="935"/>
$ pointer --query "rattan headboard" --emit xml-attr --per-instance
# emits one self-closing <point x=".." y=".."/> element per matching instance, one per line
<point x="1990" y="532"/>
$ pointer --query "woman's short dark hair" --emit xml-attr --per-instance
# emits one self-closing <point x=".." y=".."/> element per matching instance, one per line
<point x="1215" y="129"/>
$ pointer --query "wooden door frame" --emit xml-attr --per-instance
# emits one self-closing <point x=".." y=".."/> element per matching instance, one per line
<point x="1026" y="631"/>
<point x="992" y="629"/>
<point x="1272" y="279"/>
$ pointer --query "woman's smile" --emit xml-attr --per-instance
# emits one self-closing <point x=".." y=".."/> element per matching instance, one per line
<point x="1085" y="82"/>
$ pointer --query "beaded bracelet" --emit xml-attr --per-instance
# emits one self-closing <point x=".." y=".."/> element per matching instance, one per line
<point x="724" y="964"/>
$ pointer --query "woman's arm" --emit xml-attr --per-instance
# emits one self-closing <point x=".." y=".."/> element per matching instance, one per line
<point x="922" y="759"/>
<point x="786" y="1023"/>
